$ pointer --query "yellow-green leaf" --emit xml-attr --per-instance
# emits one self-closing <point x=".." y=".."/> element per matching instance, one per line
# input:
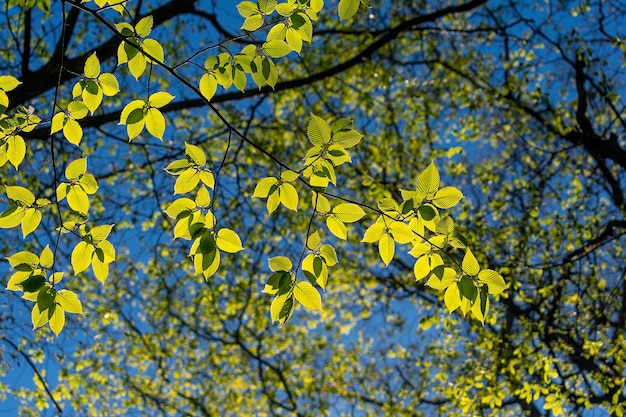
<point x="306" y="294"/>
<point x="77" y="199"/>
<point x="8" y="83"/>
<point x="280" y="263"/>
<point x="30" y="221"/>
<point x="76" y="169"/>
<point x="470" y="264"/>
<point x="318" y="131"/>
<point x="81" y="256"/>
<point x="428" y="181"/>
<point x="348" y="8"/>
<point x="16" y="150"/>
<point x="38" y="318"/>
<point x="187" y="181"/>
<point x="109" y="84"/>
<point x="494" y="281"/>
<point x="447" y="197"/>
<point x="46" y="258"/>
<point x="69" y="302"/>
<point x="289" y="196"/>
<point x="421" y="268"/>
<point x="208" y="86"/>
<point x="56" y="318"/>
<point x="20" y="195"/>
<point x="92" y="66"/>
<point x="336" y="227"/>
<point x="72" y="131"/>
<point x="452" y="297"/>
<point x="155" y="123"/>
<point x="386" y="248"/>
<point x="276" y="48"/>
<point x="228" y="241"/>
<point x="154" y="49"/>
<point x="100" y="269"/>
<point x="196" y="154"/>
<point x="57" y="122"/>
<point x="252" y="22"/>
<point x="137" y="65"/>
<point x="348" y="212"/>
<point x="263" y="187"/>
<point x="144" y="26"/>
<point x="160" y="99"/>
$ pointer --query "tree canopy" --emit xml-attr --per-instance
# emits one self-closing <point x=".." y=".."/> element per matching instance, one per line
<point x="312" y="207"/>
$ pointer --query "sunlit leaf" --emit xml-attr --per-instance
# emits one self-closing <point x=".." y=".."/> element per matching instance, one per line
<point x="307" y="295"/>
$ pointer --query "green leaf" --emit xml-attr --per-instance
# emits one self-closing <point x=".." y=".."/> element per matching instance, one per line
<point x="347" y="8"/>
<point x="307" y="295"/>
<point x="34" y="283"/>
<point x="280" y="263"/>
<point x="467" y="288"/>
<point x="45" y="297"/>
<point x="154" y="49"/>
<point x="81" y="256"/>
<point x="228" y="241"/>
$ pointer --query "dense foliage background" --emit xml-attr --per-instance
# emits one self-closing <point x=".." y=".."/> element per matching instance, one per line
<point x="519" y="104"/>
